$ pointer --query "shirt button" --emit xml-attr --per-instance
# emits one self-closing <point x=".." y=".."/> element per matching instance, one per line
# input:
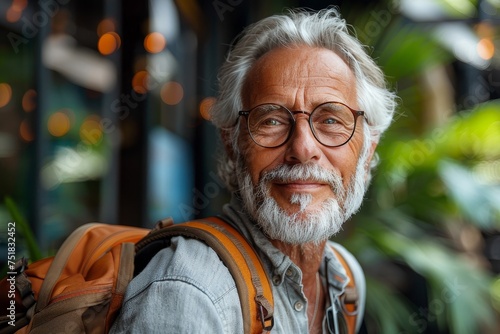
<point x="277" y="279"/>
<point x="289" y="272"/>
<point x="298" y="306"/>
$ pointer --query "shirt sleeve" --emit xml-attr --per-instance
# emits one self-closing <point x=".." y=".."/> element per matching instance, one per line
<point x="170" y="306"/>
<point x="184" y="289"/>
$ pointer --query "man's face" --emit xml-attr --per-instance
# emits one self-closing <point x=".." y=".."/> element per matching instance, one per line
<point x="300" y="79"/>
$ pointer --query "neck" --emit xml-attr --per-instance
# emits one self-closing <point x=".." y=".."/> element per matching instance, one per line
<point x="307" y="257"/>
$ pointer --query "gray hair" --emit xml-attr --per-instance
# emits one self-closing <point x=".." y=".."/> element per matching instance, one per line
<point x="325" y="29"/>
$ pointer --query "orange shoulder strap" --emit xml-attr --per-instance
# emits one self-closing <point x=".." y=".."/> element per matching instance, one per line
<point x="349" y="299"/>
<point x="254" y="288"/>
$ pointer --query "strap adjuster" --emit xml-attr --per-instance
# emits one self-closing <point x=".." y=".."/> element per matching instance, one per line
<point x="269" y="320"/>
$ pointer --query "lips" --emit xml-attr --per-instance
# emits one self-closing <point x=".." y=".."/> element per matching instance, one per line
<point x="301" y="185"/>
<point x="302" y="177"/>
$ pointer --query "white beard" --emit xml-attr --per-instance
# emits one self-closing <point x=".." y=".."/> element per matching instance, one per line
<point x="304" y="226"/>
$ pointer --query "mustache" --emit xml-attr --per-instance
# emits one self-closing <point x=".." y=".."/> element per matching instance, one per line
<point x="304" y="172"/>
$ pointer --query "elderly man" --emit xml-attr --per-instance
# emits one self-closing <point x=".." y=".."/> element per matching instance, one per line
<point x="301" y="109"/>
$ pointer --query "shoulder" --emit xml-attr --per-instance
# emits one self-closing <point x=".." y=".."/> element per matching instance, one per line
<point x="189" y="286"/>
<point x="186" y="260"/>
<point x="180" y="281"/>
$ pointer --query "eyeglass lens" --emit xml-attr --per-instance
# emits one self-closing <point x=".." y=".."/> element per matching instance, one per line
<point x="335" y="319"/>
<point x="271" y="125"/>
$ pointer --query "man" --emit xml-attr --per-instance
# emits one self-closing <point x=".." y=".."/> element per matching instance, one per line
<point x="301" y="109"/>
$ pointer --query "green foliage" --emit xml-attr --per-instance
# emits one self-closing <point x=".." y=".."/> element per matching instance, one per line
<point x="435" y="181"/>
<point x="23" y="230"/>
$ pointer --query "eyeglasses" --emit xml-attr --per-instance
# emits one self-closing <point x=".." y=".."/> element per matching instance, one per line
<point x="335" y="319"/>
<point x="336" y="313"/>
<point x="271" y="125"/>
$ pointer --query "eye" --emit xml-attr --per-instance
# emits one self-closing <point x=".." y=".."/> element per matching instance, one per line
<point x="329" y="121"/>
<point x="269" y="116"/>
<point x="323" y="119"/>
<point x="271" y="122"/>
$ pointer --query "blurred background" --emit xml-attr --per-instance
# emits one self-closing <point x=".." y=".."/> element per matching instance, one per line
<point x="103" y="118"/>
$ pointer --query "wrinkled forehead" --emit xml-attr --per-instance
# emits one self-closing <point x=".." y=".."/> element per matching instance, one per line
<point x="309" y="69"/>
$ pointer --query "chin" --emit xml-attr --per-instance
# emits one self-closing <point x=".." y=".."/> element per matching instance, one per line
<point x="312" y="224"/>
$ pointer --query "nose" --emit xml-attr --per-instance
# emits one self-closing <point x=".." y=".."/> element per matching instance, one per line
<point x="302" y="147"/>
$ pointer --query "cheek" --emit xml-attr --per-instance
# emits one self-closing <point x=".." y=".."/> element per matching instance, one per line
<point x="345" y="160"/>
<point x="248" y="157"/>
<point x="256" y="164"/>
<point x="258" y="160"/>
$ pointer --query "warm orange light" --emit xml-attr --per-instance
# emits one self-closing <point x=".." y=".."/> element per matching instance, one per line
<point x="106" y="25"/>
<point x="154" y="42"/>
<point x="91" y="130"/>
<point x="59" y="124"/>
<point x="5" y="94"/>
<point x="25" y="131"/>
<point x="205" y="106"/>
<point x="108" y="43"/>
<point x="172" y="93"/>
<point x="140" y="82"/>
<point x="484" y="29"/>
<point x="29" y="100"/>
<point x="19" y="4"/>
<point x="13" y="14"/>
<point x="486" y="48"/>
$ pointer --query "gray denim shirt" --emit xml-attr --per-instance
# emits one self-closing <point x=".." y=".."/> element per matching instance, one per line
<point x="187" y="289"/>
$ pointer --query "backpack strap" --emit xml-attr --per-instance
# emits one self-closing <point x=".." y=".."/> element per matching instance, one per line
<point x="253" y="285"/>
<point x="353" y="298"/>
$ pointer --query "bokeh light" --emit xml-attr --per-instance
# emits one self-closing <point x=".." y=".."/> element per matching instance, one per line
<point x="106" y="25"/>
<point x="5" y="94"/>
<point x="140" y="82"/>
<point x="13" y="15"/>
<point x="154" y="42"/>
<point x="59" y="123"/>
<point x="205" y="106"/>
<point x="15" y="11"/>
<point x="29" y="100"/>
<point x="109" y="43"/>
<point x="25" y="131"/>
<point x="91" y="130"/>
<point x="172" y="93"/>
<point x="486" y="48"/>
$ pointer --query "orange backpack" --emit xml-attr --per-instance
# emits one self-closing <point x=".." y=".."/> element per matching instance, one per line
<point x="81" y="288"/>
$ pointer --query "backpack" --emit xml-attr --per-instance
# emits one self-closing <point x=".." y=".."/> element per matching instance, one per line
<point x="81" y="288"/>
<point x="352" y="300"/>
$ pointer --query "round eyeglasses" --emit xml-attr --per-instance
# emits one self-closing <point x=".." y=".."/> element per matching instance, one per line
<point x="271" y="125"/>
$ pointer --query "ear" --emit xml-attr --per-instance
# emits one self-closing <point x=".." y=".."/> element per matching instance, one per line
<point x="373" y="147"/>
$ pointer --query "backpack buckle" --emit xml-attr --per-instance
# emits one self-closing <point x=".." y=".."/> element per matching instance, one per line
<point x="269" y="320"/>
<point x="21" y="265"/>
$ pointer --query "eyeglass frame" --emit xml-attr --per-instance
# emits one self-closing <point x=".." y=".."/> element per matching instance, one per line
<point x="336" y="321"/>
<point x="355" y="113"/>
<point x="335" y="318"/>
